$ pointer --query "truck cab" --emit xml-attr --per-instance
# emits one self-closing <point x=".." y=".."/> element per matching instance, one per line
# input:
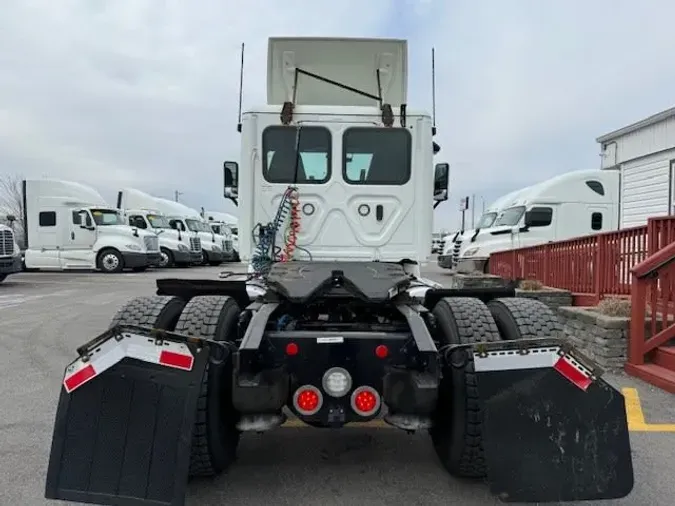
<point x="70" y="226"/>
<point x="10" y="254"/>
<point x="574" y="204"/>
<point x="362" y="163"/>
<point x="139" y="211"/>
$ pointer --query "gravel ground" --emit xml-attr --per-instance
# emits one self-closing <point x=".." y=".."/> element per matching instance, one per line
<point x="45" y="316"/>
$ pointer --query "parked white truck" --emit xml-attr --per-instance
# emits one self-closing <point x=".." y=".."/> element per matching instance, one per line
<point x="453" y="244"/>
<point x="215" y="247"/>
<point x="221" y="223"/>
<point x="140" y="210"/>
<point x="70" y="226"/>
<point x="571" y="205"/>
<point x="10" y="254"/>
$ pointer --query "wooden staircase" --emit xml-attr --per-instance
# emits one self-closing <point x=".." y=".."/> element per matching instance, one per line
<point x="660" y="371"/>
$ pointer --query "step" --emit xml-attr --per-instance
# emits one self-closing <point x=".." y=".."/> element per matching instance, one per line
<point x="653" y="374"/>
<point x="665" y="357"/>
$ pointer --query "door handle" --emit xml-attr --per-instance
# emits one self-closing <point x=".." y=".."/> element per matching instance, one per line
<point x="379" y="212"/>
<point x="72" y="235"/>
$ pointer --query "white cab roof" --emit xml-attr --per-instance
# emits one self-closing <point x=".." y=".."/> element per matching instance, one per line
<point x="353" y="62"/>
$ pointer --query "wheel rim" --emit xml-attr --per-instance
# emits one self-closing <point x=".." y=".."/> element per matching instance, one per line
<point x="110" y="262"/>
<point x="164" y="259"/>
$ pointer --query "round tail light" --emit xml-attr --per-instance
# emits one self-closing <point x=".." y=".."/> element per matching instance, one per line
<point x="365" y="401"/>
<point x="307" y="400"/>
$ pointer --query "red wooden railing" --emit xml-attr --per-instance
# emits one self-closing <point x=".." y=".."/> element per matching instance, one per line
<point x="591" y="267"/>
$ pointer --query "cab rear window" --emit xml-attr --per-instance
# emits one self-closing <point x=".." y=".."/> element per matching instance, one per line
<point x="281" y="163"/>
<point x="376" y="156"/>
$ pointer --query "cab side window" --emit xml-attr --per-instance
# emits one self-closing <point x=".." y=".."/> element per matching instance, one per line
<point x="138" y="222"/>
<point x="177" y="225"/>
<point x="47" y="219"/>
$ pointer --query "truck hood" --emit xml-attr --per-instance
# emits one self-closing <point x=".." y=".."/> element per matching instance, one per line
<point x="124" y="230"/>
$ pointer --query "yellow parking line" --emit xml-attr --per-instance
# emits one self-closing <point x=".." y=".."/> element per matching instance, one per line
<point x="636" y="418"/>
<point x="634" y="414"/>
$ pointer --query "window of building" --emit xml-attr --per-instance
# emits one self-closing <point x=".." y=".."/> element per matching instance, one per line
<point x="47" y="219"/>
<point x="281" y="157"/>
<point x="377" y="156"/>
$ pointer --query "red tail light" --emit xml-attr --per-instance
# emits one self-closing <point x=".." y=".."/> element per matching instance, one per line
<point x="292" y="349"/>
<point x="365" y="401"/>
<point x="381" y="351"/>
<point x="307" y="400"/>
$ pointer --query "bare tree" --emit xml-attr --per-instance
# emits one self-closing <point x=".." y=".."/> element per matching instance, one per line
<point x="11" y="200"/>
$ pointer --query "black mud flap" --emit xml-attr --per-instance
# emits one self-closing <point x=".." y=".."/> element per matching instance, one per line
<point x="553" y="432"/>
<point x="124" y="437"/>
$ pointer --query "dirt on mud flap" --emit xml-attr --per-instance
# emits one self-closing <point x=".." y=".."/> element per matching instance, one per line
<point x="125" y="438"/>
<point x="553" y="429"/>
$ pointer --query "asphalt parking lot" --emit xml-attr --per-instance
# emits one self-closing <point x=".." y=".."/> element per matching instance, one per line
<point x="45" y="316"/>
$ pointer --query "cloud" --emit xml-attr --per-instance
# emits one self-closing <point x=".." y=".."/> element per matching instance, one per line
<point x="144" y="92"/>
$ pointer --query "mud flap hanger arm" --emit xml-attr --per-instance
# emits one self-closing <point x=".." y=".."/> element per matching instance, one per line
<point x="387" y="113"/>
<point x="117" y="332"/>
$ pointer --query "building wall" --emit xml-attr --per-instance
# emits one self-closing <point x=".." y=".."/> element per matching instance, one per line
<point x="645" y="188"/>
<point x="649" y="140"/>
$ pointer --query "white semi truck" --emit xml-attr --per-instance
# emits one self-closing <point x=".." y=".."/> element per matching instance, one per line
<point x="451" y="249"/>
<point x="573" y="204"/>
<point x="215" y="248"/>
<point x="10" y="254"/>
<point x="220" y="223"/>
<point x="69" y="226"/>
<point x="140" y="210"/>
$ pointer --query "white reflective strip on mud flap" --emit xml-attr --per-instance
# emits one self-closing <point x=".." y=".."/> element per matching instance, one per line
<point x="534" y="358"/>
<point x="109" y="353"/>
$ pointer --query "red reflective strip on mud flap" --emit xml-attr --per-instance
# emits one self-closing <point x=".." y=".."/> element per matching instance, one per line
<point x="109" y="353"/>
<point x="79" y="378"/>
<point x="177" y="360"/>
<point x="565" y="367"/>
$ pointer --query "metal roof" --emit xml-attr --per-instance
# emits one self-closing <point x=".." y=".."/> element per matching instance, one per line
<point x="651" y="120"/>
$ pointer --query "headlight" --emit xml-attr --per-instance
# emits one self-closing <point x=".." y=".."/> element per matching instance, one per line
<point x="183" y="247"/>
<point x="133" y="247"/>
<point x="470" y="252"/>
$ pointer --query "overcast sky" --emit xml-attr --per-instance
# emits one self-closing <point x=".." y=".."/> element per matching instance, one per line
<point x="143" y="93"/>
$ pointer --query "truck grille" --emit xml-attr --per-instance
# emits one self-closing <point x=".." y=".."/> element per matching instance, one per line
<point x="151" y="243"/>
<point x="195" y="244"/>
<point x="455" y="251"/>
<point x="227" y="246"/>
<point x="6" y="243"/>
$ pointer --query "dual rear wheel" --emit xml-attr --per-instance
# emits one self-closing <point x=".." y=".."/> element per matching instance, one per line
<point x="457" y="432"/>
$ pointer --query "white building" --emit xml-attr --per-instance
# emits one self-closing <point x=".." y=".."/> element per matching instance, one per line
<point x="645" y="154"/>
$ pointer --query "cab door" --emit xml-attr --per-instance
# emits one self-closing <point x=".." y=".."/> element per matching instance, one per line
<point x="78" y="250"/>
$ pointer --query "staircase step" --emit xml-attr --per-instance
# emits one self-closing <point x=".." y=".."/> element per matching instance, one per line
<point x="665" y="357"/>
<point x="653" y="374"/>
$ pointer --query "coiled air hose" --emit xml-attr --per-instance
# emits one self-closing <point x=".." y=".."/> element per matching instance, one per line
<point x="266" y="253"/>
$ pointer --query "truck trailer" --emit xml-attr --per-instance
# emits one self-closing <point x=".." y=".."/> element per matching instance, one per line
<point x="335" y="324"/>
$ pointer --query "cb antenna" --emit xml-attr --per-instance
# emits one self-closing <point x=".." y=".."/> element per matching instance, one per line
<point x="241" y="87"/>
<point x="433" y="91"/>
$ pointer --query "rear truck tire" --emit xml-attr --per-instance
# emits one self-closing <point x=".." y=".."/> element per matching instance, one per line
<point x="523" y="318"/>
<point x="215" y="437"/>
<point x="156" y="311"/>
<point x="110" y="261"/>
<point x="165" y="258"/>
<point x="457" y="430"/>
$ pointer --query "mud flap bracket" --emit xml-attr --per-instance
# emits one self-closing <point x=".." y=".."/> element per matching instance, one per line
<point x="124" y="438"/>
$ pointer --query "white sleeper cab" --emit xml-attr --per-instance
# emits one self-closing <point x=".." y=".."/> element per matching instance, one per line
<point x="139" y="210"/>
<point x="69" y="226"/>
<point x="220" y="223"/>
<point x="574" y="204"/>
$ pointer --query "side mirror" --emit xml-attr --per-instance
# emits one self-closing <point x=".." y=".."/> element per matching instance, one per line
<point x="441" y="173"/>
<point x="10" y="218"/>
<point x="231" y="181"/>
<point x="85" y="221"/>
<point x="538" y="217"/>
